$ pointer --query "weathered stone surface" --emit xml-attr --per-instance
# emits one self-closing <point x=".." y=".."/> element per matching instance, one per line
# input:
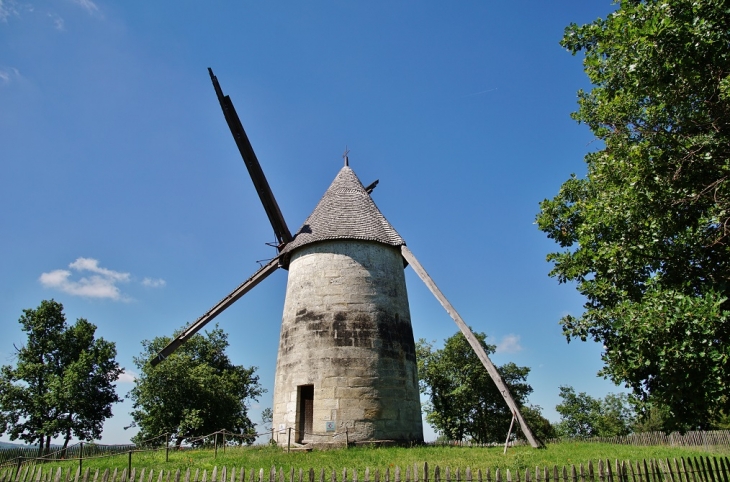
<point x="346" y="330"/>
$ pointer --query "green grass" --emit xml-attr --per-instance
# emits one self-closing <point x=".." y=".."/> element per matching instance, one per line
<point x="381" y="458"/>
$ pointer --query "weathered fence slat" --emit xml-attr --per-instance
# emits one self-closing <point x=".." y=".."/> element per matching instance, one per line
<point x="717" y="470"/>
<point x="723" y="461"/>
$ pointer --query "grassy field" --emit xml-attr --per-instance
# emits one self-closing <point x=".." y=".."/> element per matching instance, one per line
<point x="381" y="458"/>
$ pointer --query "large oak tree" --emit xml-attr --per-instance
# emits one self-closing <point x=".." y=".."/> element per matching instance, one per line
<point x="645" y="234"/>
<point x="464" y="402"/>
<point x="62" y="383"/>
<point x="194" y="392"/>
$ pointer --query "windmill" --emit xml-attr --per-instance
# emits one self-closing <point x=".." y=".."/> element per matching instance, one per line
<point x="346" y="360"/>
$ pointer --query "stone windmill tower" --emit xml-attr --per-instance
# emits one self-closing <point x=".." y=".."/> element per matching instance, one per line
<point x="346" y="361"/>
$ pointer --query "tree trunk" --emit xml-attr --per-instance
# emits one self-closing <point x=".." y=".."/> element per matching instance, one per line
<point x="48" y="444"/>
<point x="40" y="447"/>
<point x="67" y="438"/>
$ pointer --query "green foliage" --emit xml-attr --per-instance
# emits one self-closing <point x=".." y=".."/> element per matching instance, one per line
<point x="645" y="235"/>
<point x="584" y="416"/>
<point x="540" y="426"/>
<point x="194" y="392"/>
<point x="62" y="383"/>
<point x="464" y="402"/>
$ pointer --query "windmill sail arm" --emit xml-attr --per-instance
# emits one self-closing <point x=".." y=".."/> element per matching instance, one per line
<point x="234" y="295"/>
<point x="473" y="341"/>
<point x="281" y="230"/>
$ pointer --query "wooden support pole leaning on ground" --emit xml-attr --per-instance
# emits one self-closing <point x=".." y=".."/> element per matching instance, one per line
<point x="472" y="341"/>
<point x="509" y="432"/>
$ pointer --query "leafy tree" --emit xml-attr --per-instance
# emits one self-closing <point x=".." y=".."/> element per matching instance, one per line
<point x="584" y="416"/>
<point x="62" y="383"/>
<point x="646" y="234"/>
<point x="464" y="402"/>
<point x="540" y="426"/>
<point x="194" y="392"/>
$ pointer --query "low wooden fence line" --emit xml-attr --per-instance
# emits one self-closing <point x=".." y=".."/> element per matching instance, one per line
<point x="710" y="438"/>
<point x="686" y="469"/>
<point x="85" y="450"/>
<point x="674" y="439"/>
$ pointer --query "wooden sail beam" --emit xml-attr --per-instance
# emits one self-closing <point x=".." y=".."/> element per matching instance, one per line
<point x="281" y="231"/>
<point x="473" y="341"/>
<point x="234" y="295"/>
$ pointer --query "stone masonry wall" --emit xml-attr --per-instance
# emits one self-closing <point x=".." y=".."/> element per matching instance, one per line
<point x="346" y="330"/>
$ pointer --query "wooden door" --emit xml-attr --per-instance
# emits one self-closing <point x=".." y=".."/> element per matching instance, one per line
<point x="306" y="412"/>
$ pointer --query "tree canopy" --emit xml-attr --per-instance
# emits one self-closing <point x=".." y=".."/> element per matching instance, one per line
<point x="645" y="234"/>
<point x="196" y="391"/>
<point x="584" y="416"/>
<point x="63" y="381"/>
<point x="464" y="403"/>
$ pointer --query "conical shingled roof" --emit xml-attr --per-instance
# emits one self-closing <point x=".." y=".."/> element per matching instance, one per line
<point x="346" y="211"/>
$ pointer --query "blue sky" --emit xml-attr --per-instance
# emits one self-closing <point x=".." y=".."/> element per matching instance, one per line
<point x="124" y="198"/>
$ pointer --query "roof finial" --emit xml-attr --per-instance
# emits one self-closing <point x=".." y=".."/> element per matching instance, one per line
<point x="344" y="156"/>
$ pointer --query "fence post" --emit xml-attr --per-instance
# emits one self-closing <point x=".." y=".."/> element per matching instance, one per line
<point x="81" y="456"/>
<point x="17" y="471"/>
<point x="167" y="447"/>
<point x="129" y="471"/>
<point x="288" y="441"/>
<point x="215" y="444"/>
<point x="224" y="440"/>
<point x="347" y="439"/>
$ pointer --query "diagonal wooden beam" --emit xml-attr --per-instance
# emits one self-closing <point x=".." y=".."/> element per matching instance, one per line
<point x="473" y="341"/>
<point x="234" y="295"/>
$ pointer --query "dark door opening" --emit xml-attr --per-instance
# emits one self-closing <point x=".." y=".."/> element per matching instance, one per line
<point x="306" y="411"/>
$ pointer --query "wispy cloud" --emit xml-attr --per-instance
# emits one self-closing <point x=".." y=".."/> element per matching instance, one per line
<point x="7" y="8"/>
<point x="21" y="8"/>
<point x="154" y="282"/>
<point x="8" y="75"/>
<point x="58" y="22"/>
<point x="478" y="93"/>
<point x="88" y="5"/>
<point x="509" y="344"/>
<point x="127" y="376"/>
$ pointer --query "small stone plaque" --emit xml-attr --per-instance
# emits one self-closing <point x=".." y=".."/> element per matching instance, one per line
<point x="329" y="426"/>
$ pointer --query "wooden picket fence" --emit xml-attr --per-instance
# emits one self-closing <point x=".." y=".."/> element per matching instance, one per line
<point x="72" y="452"/>
<point x="686" y="469"/>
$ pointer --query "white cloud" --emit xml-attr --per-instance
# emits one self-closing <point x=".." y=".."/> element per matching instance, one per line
<point x="101" y="284"/>
<point x="8" y="75"/>
<point x="154" y="283"/>
<point x="127" y="376"/>
<point x="90" y="264"/>
<point x="509" y="344"/>
<point x="88" y="5"/>
<point x="86" y="278"/>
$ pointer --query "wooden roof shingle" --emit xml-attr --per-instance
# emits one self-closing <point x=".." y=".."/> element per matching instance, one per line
<point x="346" y="211"/>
